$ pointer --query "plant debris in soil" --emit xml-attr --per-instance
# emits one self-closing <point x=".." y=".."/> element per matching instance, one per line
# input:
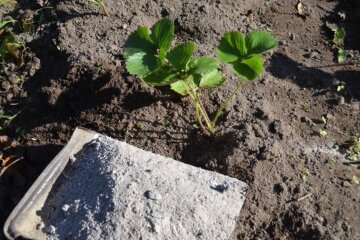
<point x="73" y="75"/>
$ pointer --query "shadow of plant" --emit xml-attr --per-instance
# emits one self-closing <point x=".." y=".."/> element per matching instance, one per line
<point x="284" y="67"/>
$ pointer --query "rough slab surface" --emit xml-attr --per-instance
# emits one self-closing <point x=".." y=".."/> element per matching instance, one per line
<point x="116" y="191"/>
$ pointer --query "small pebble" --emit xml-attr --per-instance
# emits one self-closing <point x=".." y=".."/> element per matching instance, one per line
<point x="341" y="100"/>
<point x="65" y="207"/>
<point x="157" y="214"/>
<point x="153" y="195"/>
<point x="346" y="184"/>
<point x="50" y="229"/>
<point x="220" y="187"/>
<point x="40" y="226"/>
<point x="72" y="158"/>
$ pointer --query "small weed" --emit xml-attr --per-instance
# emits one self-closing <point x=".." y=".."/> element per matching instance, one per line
<point x="341" y="55"/>
<point x="59" y="48"/>
<point x="340" y="88"/>
<point x="139" y="126"/>
<point x="98" y="70"/>
<point x="102" y="5"/>
<point x="338" y="40"/>
<point x="305" y="175"/>
<point x="353" y="147"/>
<point x="324" y="120"/>
<point x="306" y="106"/>
<point x="355" y="180"/>
<point x="9" y="45"/>
<point x="6" y="120"/>
<point x="322" y="133"/>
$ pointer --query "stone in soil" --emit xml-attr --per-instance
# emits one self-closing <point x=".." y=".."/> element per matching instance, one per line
<point x="116" y="191"/>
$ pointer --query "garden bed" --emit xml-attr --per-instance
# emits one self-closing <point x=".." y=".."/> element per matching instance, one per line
<point x="299" y="186"/>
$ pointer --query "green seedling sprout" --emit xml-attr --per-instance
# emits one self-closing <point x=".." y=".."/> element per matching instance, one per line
<point x="322" y="133"/>
<point x="149" y="56"/>
<point x="306" y="106"/>
<point x="353" y="147"/>
<point x="340" y="88"/>
<point x="6" y="120"/>
<point x="324" y="120"/>
<point x="355" y="180"/>
<point x="338" y="40"/>
<point x="9" y="46"/>
<point x="102" y="5"/>
<point x="305" y="175"/>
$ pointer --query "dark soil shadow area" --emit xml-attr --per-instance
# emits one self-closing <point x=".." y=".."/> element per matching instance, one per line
<point x="19" y="177"/>
<point x="346" y="14"/>
<point x="58" y="95"/>
<point x="210" y="152"/>
<point x="283" y="67"/>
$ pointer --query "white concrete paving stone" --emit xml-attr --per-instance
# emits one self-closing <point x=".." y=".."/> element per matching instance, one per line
<point x="118" y="191"/>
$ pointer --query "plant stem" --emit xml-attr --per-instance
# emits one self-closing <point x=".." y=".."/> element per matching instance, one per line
<point x="198" y="107"/>
<point x="203" y="128"/>
<point x="203" y="112"/>
<point x="225" y="104"/>
<point x="104" y="8"/>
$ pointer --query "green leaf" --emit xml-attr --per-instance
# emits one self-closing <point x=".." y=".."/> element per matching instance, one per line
<point x="180" y="55"/>
<point x="162" y="34"/>
<point x="161" y="77"/>
<point x="250" y="68"/>
<point x="339" y="34"/>
<point x="212" y="79"/>
<point x="139" y="42"/>
<point x="203" y="65"/>
<point x="179" y="87"/>
<point x="141" y="64"/>
<point x="339" y="37"/>
<point x="340" y="88"/>
<point x="341" y="55"/>
<point x="4" y="22"/>
<point x="9" y="46"/>
<point x="259" y="42"/>
<point x="232" y="47"/>
<point x="182" y="87"/>
<point x="97" y="2"/>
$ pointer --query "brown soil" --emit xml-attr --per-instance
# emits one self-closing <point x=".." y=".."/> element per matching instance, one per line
<point x="75" y="76"/>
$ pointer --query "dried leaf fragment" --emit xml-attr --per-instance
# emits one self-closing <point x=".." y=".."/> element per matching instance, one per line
<point x="300" y="8"/>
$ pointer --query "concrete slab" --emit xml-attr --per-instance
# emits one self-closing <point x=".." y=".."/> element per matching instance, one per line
<point x="117" y="191"/>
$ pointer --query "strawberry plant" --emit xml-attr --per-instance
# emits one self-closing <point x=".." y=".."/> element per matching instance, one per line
<point x="150" y="56"/>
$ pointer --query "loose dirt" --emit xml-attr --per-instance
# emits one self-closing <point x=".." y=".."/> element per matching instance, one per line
<point x="300" y="187"/>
